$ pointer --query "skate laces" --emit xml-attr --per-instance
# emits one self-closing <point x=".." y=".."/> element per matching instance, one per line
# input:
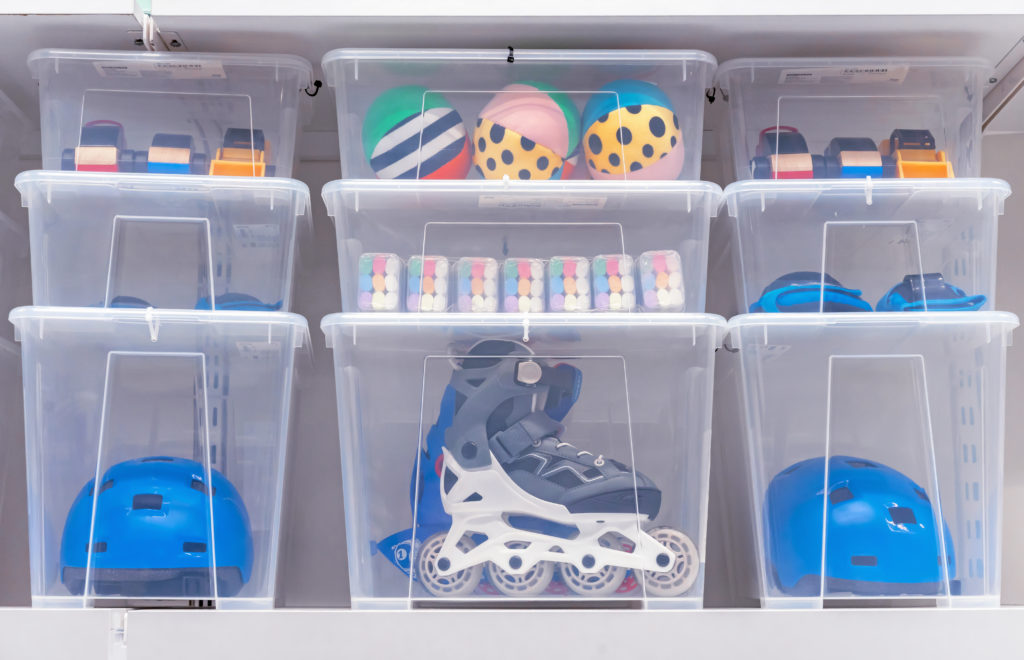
<point x="599" y="461"/>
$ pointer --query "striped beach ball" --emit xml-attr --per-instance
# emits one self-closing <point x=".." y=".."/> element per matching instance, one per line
<point x="413" y="133"/>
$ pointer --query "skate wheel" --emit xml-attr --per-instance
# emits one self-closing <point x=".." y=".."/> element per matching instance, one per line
<point x="604" y="582"/>
<point x="458" y="584"/>
<point x="682" y="575"/>
<point x="531" y="582"/>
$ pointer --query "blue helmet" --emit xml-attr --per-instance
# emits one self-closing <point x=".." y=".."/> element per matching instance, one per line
<point x="882" y="538"/>
<point x="151" y="537"/>
<point x="914" y="291"/>
<point x="803" y="292"/>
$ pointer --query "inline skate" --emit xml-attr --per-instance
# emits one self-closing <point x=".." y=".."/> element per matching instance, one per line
<point x="524" y="504"/>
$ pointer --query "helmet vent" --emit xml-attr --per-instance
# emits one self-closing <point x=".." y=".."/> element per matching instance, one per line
<point x="860" y="463"/>
<point x="107" y="485"/>
<point x="147" y="501"/>
<point x="98" y="546"/>
<point x="920" y="493"/>
<point x="201" y="487"/>
<point x="193" y="546"/>
<point x="902" y="515"/>
<point x="157" y="459"/>
<point x="791" y="469"/>
<point x="840" y="495"/>
<point x="474" y="382"/>
<point x="475" y="497"/>
<point x="864" y="560"/>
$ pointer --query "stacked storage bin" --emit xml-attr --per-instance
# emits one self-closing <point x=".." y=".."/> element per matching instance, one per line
<point x="532" y="354"/>
<point x="872" y="363"/>
<point x="158" y="359"/>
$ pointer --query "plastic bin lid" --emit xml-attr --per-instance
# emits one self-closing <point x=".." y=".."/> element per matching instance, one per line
<point x="731" y="66"/>
<point x="162" y="182"/>
<point x="866" y="187"/>
<point x="1004" y="321"/>
<point x="501" y="54"/>
<point x="22" y="317"/>
<point x="41" y="57"/>
<point x="522" y="188"/>
<point x="526" y="322"/>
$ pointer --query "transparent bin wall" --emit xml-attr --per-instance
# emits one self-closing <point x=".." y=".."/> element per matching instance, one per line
<point x="467" y="81"/>
<point x="491" y="220"/>
<point x="101" y="240"/>
<point x="644" y="401"/>
<point x="867" y="235"/>
<point x="857" y="98"/>
<point x="921" y="395"/>
<point x="155" y="407"/>
<point x="190" y="96"/>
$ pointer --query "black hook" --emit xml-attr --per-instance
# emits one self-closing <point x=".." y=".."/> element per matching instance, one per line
<point x="511" y="57"/>
<point x="316" y="88"/>
<point x="710" y="93"/>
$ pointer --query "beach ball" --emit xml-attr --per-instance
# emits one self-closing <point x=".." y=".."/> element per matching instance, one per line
<point x="413" y="133"/>
<point x="527" y="131"/>
<point x="631" y="131"/>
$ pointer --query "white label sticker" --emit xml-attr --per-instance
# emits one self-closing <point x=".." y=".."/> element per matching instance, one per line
<point x="544" y="202"/>
<point x="843" y="74"/>
<point x="180" y="69"/>
<point x="258" y="235"/>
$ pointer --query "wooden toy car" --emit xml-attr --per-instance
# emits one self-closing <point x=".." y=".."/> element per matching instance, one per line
<point x="244" y="154"/>
<point x="915" y="156"/>
<point x="100" y="147"/>
<point x="782" y="153"/>
<point x="170" y="154"/>
<point x="856" y="158"/>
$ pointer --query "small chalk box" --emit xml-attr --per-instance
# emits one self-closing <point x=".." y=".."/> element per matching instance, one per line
<point x="614" y="283"/>
<point x="426" y="287"/>
<point x="380" y="276"/>
<point x="524" y="285"/>
<point x="569" y="284"/>
<point x="661" y="281"/>
<point x="477" y="284"/>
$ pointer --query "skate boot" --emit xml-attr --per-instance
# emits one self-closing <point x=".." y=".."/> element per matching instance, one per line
<point x="524" y="503"/>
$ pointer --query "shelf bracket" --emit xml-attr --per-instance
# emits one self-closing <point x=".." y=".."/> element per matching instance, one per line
<point x="117" y="647"/>
<point x="152" y="39"/>
<point x="1007" y="81"/>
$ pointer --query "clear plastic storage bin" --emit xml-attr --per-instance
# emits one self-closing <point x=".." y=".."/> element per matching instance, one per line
<point x="114" y="240"/>
<point x="882" y="245"/>
<point x="169" y="113"/>
<point x="527" y="433"/>
<point x="908" y="411"/>
<point x="537" y="114"/>
<point x="855" y="117"/>
<point x="522" y="247"/>
<point x="156" y="445"/>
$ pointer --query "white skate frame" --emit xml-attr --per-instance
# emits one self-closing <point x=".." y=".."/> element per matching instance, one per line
<point x="501" y="497"/>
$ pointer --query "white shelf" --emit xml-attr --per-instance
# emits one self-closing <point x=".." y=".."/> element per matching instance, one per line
<point x="472" y="634"/>
<point x="567" y="8"/>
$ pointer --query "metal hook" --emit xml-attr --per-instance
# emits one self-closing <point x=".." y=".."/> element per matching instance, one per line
<point x="511" y="57"/>
<point x="316" y="88"/>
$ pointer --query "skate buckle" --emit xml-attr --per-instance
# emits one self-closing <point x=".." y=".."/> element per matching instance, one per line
<point x="528" y="372"/>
